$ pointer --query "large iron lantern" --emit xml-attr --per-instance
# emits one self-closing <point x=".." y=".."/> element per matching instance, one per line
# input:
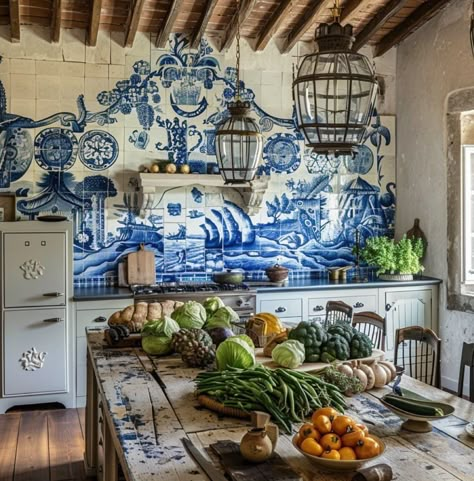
<point x="239" y="145"/>
<point x="334" y="93"/>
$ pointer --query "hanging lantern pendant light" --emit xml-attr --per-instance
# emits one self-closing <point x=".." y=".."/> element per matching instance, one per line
<point x="239" y="141"/>
<point x="334" y="92"/>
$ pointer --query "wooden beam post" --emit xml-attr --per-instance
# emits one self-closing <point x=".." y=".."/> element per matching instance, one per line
<point x="94" y="23"/>
<point x="382" y="15"/>
<point x="245" y="10"/>
<point x="421" y="15"/>
<point x="163" y="35"/>
<point x="305" y="22"/>
<point x="201" y="28"/>
<point x="133" y="19"/>
<point x="56" y="21"/>
<point x="15" y="20"/>
<point x="273" y="24"/>
<point x="351" y="9"/>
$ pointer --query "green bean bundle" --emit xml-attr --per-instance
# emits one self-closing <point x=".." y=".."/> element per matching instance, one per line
<point x="288" y="396"/>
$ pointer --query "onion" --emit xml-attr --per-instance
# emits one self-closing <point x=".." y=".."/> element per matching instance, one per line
<point x="380" y="375"/>
<point x="370" y="375"/>
<point x="359" y="373"/>
<point x="390" y="366"/>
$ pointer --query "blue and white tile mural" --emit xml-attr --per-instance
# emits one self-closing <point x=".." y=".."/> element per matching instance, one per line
<point x="85" y="165"/>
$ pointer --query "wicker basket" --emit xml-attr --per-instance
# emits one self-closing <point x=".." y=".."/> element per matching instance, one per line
<point x="219" y="408"/>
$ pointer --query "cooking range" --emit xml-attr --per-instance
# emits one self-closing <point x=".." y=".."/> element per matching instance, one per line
<point x="239" y="297"/>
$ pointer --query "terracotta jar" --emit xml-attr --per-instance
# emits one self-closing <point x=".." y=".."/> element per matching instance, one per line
<point x="256" y="445"/>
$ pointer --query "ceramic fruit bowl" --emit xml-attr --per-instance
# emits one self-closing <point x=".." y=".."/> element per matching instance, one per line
<point x="324" y="464"/>
<point x="415" y="422"/>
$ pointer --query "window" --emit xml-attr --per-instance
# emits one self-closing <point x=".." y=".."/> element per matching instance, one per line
<point x="468" y="213"/>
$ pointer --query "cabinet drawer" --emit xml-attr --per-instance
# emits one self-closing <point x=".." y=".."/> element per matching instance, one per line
<point x="34" y="352"/>
<point x="34" y="269"/>
<point x="290" y="322"/>
<point x="283" y="307"/>
<point x="317" y="307"/>
<point x="92" y="318"/>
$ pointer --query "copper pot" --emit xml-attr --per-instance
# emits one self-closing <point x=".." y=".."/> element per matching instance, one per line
<point x="277" y="273"/>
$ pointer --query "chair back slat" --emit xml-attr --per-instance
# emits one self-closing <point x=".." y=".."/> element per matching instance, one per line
<point x="467" y="360"/>
<point x="373" y="325"/>
<point x="422" y="361"/>
<point x="337" y="312"/>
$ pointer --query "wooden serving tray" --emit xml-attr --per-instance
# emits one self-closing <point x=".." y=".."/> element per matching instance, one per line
<point x="377" y="355"/>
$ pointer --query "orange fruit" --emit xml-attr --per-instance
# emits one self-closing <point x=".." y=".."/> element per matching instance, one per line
<point x="311" y="446"/>
<point x="367" y="448"/>
<point x="307" y="430"/>
<point x="332" y="454"/>
<point x="364" y="428"/>
<point x="323" y="424"/>
<point x="330" y="441"/>
<point x="342" y="425"/>
<point x="352" y="437"/>
<point x="331" y="413"/>
<point x="347" y="453"/>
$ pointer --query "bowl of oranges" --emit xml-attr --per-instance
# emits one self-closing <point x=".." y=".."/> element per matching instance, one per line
<point x="335" y="442"/>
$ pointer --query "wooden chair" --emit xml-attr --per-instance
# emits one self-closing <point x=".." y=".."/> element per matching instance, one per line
<point x="420" y="353"/>
<point x="467" y="359"/>
<point x="337" y="311"/>
<point x="372" y="325"/>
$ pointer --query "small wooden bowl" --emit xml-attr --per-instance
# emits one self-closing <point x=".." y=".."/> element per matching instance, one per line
<point x="277" y="273"/>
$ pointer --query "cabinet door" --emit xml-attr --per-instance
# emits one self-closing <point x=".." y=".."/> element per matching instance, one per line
<point x="35" y="269"/>
<point x="406" y="308"/>
<point x="34" y="351"/>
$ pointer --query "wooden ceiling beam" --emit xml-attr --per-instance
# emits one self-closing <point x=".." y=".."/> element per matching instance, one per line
<point x="378" y="20"/>
<point x="94" y="23"/>
<point x="351" y="9"/>
<point x="306" y="21"/>
<point x="165" y="31"/>
<point x="418" y="17"/>
<point x="133" y="20"/>
<point x="246" y="7"/>
<point x="56" y="20"/>
<point x="15" y="20"/>
<point x="273" y="24"/>
<point x="201" y="28"/>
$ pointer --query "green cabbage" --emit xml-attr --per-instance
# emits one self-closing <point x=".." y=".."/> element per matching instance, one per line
<point x="289" y="354"/>
<point x="223" y="317"/>
<point x="190" y="315"/>
<point x="211" y="304"/>
<point x="234" y="352"/>
<point x="246" y="338"/>
<point x="156" y="335"/>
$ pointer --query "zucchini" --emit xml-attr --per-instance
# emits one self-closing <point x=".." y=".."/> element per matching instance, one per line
<point x="412" y="406"/>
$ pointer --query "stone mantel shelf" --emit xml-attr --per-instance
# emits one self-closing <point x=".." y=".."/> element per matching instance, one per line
<point x="252" y="193"/>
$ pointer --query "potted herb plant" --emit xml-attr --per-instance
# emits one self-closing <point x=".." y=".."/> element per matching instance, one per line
<point x="395" y="260"/>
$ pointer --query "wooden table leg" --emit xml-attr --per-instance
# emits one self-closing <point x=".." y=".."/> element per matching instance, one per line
<point x="110" y="457"/>
<point x="90" y="455"/>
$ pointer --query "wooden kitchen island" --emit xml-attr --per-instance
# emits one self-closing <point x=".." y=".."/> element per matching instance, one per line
<point x="138" y="410"/>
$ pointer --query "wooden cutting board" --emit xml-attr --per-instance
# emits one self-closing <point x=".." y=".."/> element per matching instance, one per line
<point x="141" y="267"/>
<point x="238" y="469"/>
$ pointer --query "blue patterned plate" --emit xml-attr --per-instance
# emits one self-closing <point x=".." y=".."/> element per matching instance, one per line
<point x="282" y="153"/>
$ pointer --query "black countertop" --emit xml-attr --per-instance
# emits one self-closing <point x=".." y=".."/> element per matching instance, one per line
<point x="308" y="284"/>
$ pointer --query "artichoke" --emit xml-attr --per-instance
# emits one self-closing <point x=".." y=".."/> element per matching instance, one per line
<point x="195" y="347"/>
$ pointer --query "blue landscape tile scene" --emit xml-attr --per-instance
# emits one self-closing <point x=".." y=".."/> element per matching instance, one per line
<point x="76" y="164"/>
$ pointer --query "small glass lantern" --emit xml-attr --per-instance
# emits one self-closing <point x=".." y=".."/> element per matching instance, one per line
<point x="334" y="93"/>
<point x="239" y="144"/>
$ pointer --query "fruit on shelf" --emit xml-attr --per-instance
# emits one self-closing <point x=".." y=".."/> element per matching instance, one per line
<point x="170" y="168"/>
<point x="154" y="169"/>
<point x="185" y="169"/>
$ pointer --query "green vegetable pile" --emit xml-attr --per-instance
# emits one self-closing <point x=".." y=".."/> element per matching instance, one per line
<point x="391" y="257"/>
<point x="289" y="396"/>
<point x="339" y="342"/>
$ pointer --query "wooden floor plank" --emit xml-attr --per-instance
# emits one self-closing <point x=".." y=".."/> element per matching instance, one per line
<point x="66" y="446"/>
<point x="32" y="458"/>
<point x="81" y="412"/>
<point x="9" y="425"/>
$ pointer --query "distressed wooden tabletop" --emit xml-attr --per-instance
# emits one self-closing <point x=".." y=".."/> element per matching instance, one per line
<point x="151" y="405"/>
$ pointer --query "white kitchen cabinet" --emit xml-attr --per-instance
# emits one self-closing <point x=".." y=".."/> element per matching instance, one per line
<point x="36" y="325"/>
<point x="91" y="315"/>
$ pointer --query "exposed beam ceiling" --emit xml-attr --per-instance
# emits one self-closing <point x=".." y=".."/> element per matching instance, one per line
<point x="56" y="21"/>
<point x="306" y="22"/>
<point x="94" y="23"/>
<point x="421" y="15"/>
<point x="273" y="24"/>
<point x="133" y="20"/>
<point x="205" y="17"/>
<point x="164" y="34"/>
<point x="351" y="9"/>
<point x="15" y="20"/>
<point x="241" y="16"/>
<point x="384" y="14"/>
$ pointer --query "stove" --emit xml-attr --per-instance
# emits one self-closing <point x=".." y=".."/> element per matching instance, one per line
<point x="240" y="297"/>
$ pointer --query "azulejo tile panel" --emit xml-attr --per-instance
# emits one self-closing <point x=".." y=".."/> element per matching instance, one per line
<point x="84" y="163"/>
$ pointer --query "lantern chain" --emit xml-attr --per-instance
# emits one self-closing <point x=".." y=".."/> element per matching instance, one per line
<point x="237" y="54"/>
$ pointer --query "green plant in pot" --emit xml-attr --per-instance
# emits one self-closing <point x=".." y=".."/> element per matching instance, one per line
<point x="395" y="260"/>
